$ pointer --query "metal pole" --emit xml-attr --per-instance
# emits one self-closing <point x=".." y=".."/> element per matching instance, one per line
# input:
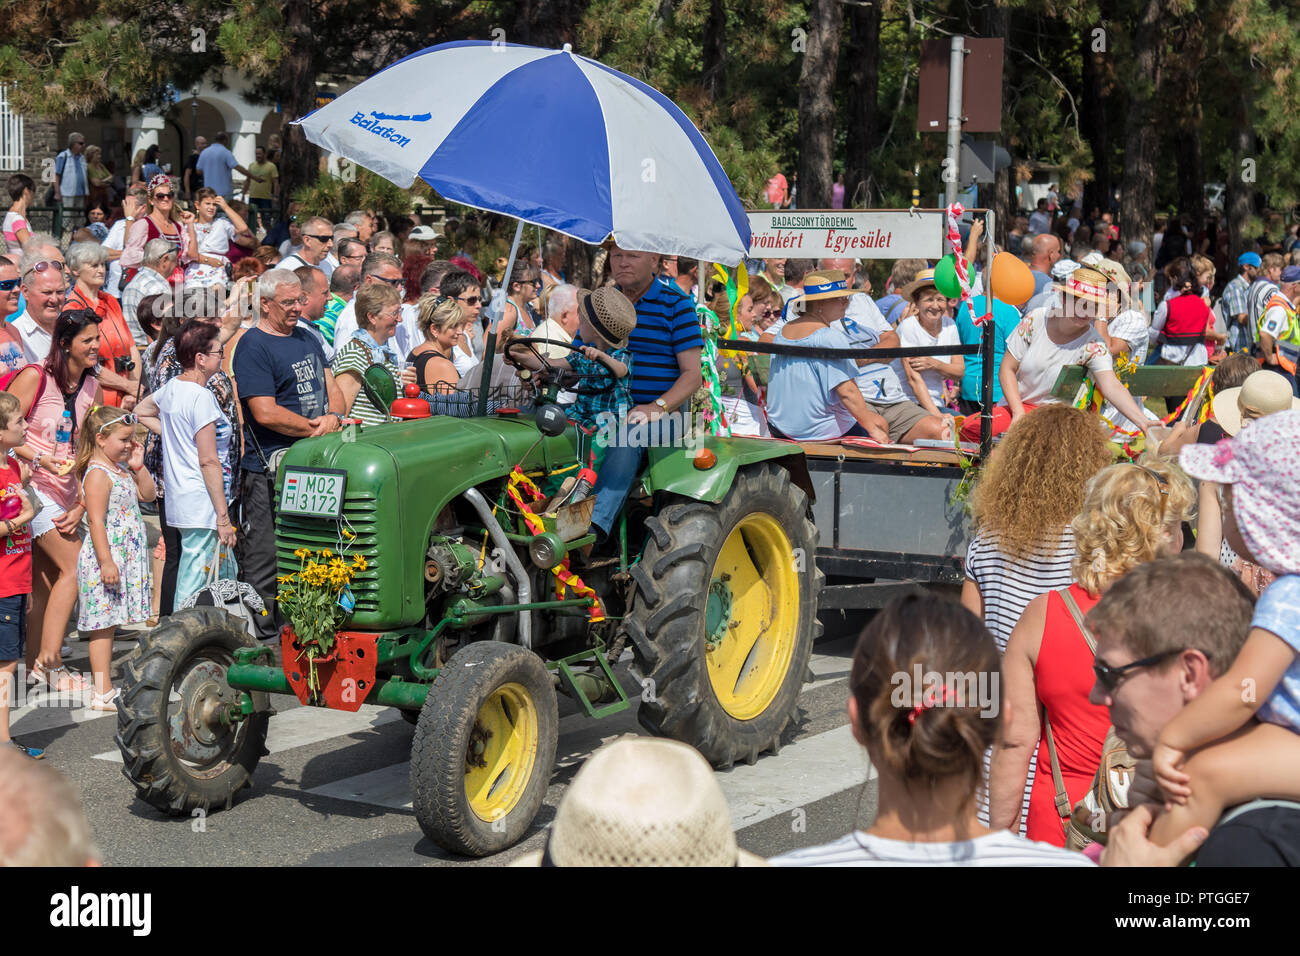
<point x="490" y="343"/>
<point x="987" y="343"/>
<point x="952" y="175"/>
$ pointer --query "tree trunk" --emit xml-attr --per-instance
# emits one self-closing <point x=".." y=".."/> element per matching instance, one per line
<point x="1240" y="201"/>
<point x="298" y="161"/>
<point x="863" y="119"/>
<point x="1141" y="134"/>
<point x="714" y="54"/>
<point x="997" y="23"/>
<point x="1095" y="126"/>
<point x="1183" y="87"/>
<point x="817" y="103"/>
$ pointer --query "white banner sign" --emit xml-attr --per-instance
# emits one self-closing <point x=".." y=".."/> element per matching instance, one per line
<point x="846" y="234"/>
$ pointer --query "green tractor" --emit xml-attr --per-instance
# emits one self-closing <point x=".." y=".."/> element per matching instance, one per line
<point x="476" y="607"/>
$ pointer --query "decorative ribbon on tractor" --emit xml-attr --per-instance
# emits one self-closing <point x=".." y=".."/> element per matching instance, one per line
<point x="563" y="576"/>
<point x="715" y="416"/>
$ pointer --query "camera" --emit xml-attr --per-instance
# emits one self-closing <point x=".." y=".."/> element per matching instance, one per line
<point x="122" y="364"/>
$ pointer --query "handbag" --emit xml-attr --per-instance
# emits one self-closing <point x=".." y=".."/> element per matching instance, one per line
<point x="222" y="590"/>
<point x="1079" y="831"/>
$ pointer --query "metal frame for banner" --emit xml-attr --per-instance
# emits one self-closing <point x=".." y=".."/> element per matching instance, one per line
<point x="985" y="346"/>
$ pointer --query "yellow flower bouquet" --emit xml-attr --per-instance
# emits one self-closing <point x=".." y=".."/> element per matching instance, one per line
<point x="314" y="599"/>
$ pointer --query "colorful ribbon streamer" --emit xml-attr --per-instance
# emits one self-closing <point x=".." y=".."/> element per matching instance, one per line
<point x="959" y="257"/>
<point x="715" y="416"/>
<point x="564" y="577"/>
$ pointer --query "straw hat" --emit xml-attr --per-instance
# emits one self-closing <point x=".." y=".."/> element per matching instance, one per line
<point x="1263" y="393"/>
<point x="610" y="313"/>
<point x="643" y="801"/>
<point x="924" y="279"/>
<point x="822" y="284"/>
<point x="1090" y="285"/>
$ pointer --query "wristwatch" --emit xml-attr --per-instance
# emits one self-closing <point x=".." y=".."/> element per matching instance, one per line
<point x="661" y="403"/>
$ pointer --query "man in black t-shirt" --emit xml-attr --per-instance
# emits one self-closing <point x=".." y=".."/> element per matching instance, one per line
<point x="286" y="392"/>
<point x="193" y="177"/>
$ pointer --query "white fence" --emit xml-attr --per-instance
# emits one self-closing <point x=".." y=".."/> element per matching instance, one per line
<point x="11" y="135"/>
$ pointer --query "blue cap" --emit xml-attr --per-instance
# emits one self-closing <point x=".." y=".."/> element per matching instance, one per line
<point x="1291" y="274"/>
<point x="1249" y="259"/>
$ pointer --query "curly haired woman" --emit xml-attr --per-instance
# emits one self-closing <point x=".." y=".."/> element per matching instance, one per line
<point x="1132" y="513"/>
<point x="1031" y="488"/>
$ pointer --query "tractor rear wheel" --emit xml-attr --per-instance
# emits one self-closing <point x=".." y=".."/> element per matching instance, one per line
<point x="724" y="616"/>
<point x="176" y="748"/>
<point x="484" y="748"/>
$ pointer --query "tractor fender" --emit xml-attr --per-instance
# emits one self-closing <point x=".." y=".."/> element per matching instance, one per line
<point x="675" y="470"/>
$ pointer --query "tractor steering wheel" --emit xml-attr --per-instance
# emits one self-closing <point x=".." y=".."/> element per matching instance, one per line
<point x="567" y="379"/>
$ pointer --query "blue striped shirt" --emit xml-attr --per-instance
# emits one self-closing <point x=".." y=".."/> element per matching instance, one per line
<point x="665" y="325"/>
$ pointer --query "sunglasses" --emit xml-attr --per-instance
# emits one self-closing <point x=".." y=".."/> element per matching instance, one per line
<point x="45" y="266"/>
<point x="1108" y="677"/>
<point x="308" y="235"/>
<point x="392" y="282"/>
<point x="8" y="285"/>
<point x="162" y="195"/>
<point x="467" y="299"/>
<point x="129" y="418"/>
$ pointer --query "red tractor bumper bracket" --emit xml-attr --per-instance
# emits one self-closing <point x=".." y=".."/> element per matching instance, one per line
<point x="345" y="676"/>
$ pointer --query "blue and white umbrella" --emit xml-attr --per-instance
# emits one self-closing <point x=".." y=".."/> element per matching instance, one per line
<point x="547" y="137"/>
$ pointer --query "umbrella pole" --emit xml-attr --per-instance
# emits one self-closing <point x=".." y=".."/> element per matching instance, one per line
<point x="490" y="344"/>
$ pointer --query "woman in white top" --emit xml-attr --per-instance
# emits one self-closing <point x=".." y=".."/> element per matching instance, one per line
<point x="22" y="190"/>
<point x="924" y="702"/>
<point x="928" y="324"/>
<point x="195" y="439"/>
<point x="210" y="239"/>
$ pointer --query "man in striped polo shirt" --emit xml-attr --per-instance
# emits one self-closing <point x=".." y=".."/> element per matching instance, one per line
<point x="666" y="346"/>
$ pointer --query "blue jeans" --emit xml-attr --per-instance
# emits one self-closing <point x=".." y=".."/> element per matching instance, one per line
<point x="622" y="464"/>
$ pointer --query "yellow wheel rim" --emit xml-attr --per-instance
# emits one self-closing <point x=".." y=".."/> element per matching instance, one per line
<point x="501" y="752"/>
<point x="751" y="616"/>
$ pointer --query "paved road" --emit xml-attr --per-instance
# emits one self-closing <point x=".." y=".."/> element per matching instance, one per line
<point x="334" y="789"/>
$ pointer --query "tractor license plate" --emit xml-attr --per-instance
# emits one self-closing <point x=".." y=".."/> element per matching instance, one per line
<point x="318" y="493"/>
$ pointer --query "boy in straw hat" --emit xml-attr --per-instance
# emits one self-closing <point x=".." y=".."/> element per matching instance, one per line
<point x="642" y="801"/>
<point x="1047" y="341"/>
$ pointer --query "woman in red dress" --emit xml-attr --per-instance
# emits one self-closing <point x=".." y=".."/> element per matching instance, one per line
<point x="163" y="221"/>
<point x="1131" y="514"/>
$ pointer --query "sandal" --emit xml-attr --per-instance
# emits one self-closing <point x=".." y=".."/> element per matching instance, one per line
<point x="59" y="679"/>
<point x="105" y="701"/>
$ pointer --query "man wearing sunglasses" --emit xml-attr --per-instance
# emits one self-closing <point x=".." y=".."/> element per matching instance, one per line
<point x="1164" y="632"/>
<point x="376" y="267"/>
<point x="317" y="241"/>
<point x="45" y="288"/>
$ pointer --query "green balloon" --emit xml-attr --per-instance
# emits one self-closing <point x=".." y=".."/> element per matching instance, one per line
<point x="945" y="277"/>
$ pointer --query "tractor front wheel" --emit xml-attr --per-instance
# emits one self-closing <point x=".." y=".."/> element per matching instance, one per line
<point x="484" y="748"/>
<point x="180" y="744"/>
<point x="724" y="616"/>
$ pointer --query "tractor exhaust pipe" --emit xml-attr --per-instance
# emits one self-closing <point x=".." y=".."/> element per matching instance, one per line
<point x="515" y="566"/>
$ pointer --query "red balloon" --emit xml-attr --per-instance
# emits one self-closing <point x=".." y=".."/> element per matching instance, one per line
<point x="1011" y="281"/>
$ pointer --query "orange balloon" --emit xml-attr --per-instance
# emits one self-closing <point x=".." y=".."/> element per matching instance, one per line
<point x="1011" y="282"/>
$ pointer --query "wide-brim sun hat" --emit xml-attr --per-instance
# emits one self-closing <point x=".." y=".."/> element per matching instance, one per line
<point x="1263" y="393"/>
<point x="610" y="312"/>
<point x="1089" y="285"/>
<point x="924" y="279"/>
<point x="1262" y="464"/>
<point x="643" y="801"/>
<point x="823" y="284"/>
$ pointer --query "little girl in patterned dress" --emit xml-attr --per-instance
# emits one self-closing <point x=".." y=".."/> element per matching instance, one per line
<point x="114" y="578"/>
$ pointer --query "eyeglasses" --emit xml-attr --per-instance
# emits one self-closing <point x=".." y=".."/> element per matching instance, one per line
<point x="8" y="285"/>
<point x="221" y="352"/>
<point x="467" y="299"/>
<point x="324" y="239"/>
<point x="393" y="282"/>
<point x="1108" y="677"/>
<point x="162" y="195"/>
<point x="128" y="418"/>
<point x="285" y="303"/>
